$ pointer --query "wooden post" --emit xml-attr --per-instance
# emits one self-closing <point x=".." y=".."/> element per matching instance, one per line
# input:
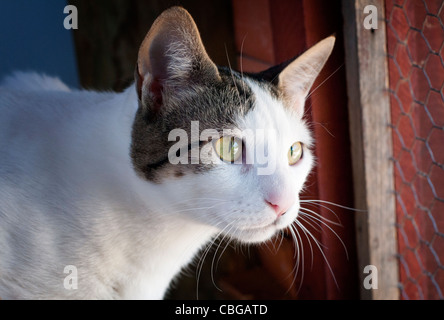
<point x="371" y="142"/>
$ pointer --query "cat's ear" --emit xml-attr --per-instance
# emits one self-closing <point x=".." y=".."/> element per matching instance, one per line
<point x="171" y="57"/>
<point x="296" y="78"/>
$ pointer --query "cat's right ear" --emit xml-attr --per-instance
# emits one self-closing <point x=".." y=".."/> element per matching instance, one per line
<point x="297" y="77"/>
<point x="171" y="58"/>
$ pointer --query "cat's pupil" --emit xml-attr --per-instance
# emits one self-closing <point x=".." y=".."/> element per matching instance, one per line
<point x="292" y="152"/>
<point x="295" y="153"/>
<point x="234" y="147"/>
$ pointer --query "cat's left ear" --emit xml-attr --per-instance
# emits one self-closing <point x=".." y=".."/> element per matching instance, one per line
<point x="297" y="78"/>
<point x="171" y="58"/>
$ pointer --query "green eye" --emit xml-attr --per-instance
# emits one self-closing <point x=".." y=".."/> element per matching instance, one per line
<point x="228" y="148"/>
<point x="295" y="153"/>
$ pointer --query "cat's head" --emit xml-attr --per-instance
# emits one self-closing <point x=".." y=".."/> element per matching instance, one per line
<point x="244" y="182"/>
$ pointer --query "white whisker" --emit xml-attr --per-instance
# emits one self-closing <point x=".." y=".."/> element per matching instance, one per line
<point x="333" y="204"/>
<point x="330" y="228"/>
<point x="232" y="75"/>
<point x="318" y="244"/>
<point x="319" y="205"/>
<point x="202" y="259"/>
<point x="322" y="217"/>
<point x="314" y="90"/>
<point x="299" y="255"/>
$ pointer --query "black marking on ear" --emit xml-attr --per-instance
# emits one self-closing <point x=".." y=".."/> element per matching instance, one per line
<point x="156" y="88"/>
<point x="271" y="75"/>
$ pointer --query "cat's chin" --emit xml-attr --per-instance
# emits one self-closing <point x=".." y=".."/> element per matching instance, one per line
<point x="263" y="233"/>
<point x="255" y="235"/>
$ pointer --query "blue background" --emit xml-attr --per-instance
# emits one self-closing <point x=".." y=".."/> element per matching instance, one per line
<point x="32" y="38"/>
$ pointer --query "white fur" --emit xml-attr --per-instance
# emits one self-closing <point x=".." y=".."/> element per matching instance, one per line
<point x="69" y="195"/>
<point x="31" y="81"/>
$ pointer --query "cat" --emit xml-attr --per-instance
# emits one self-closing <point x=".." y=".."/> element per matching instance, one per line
<point x="92" y="204"/>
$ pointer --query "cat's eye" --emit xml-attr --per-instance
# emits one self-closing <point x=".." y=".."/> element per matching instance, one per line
<point x="228" y="148"/>
<point x="295" y="153"/>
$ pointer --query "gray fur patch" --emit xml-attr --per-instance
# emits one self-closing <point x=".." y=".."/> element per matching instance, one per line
<point x="215" y="103"/>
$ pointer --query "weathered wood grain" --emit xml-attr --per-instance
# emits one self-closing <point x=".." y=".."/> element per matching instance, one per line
<point x="371" y="142"/>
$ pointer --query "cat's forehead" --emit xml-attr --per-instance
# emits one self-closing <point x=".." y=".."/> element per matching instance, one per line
<point x="253" y="98"/>
<point x="238" y="101"/>
<point x="216" y="104"/>
<point x="235" y="99"/>
<point x="270" y="114"/>
<point x="268" y="111"/>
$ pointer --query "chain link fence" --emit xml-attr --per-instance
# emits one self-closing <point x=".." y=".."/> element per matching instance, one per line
<point x="415" y="46"/>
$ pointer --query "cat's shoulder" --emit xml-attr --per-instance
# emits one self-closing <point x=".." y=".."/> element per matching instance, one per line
<point x="32" y="81"/>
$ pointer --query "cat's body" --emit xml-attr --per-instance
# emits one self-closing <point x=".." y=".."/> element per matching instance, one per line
<point x="85" y="182"/>
<point x="63" y="206"/>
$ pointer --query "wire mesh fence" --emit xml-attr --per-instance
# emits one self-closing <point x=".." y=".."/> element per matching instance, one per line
<point x="415" y="46"/>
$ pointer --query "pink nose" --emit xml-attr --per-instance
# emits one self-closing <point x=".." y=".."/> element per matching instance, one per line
<point x="276" y="208"/>
<point x="280" y="205"/>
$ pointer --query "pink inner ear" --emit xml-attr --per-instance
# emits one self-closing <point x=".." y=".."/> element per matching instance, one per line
<point x="158" y="60"/>
<point x="156" y="88"/>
